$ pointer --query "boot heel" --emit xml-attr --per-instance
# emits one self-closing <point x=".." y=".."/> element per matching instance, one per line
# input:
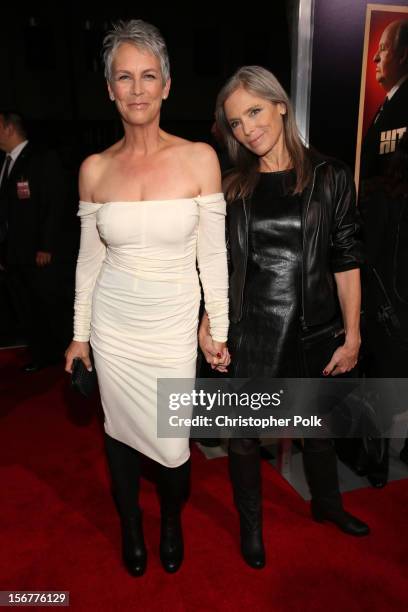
<point x="171" y="543"/>
<point x="134" y="552"/>
<point x="252" y="548"/>
<point x="173" y="489"/>
<point x="246" y="484"/>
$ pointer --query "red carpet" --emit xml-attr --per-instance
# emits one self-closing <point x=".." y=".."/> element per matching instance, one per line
<point x="59" y="530"/>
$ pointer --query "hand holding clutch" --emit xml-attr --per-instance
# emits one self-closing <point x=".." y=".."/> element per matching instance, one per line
<point x="82" y="380"/>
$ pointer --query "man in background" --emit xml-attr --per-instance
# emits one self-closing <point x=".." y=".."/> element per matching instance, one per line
<point x="32" y="192"/>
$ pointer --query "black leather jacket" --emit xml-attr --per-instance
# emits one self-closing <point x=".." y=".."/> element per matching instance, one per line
<point x="330" y="229"/>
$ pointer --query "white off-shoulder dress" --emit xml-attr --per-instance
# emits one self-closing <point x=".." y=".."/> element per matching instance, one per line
<point x="137" y="299"/>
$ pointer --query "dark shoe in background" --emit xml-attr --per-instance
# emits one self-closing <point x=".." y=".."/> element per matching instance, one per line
<point x="404" y="452"/>
<point x="31" y="367"/>
<point x="375" y="455"/>
<point x="209" y="442"/>
<point x="366" y="457"/>
<point x="39" y="364"/>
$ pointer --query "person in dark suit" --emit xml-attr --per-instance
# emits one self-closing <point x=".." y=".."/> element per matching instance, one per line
<point x="32" y="191"/>
<point x="391" y="120"/>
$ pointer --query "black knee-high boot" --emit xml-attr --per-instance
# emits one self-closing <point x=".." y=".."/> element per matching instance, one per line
<point x="124" y="466"/>
<point x="320" y="464"/>
<point x="245" y="473"/>
<point x="173" y="486"/>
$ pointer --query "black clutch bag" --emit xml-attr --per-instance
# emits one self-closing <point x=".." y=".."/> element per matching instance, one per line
<point x="82" y="380"/>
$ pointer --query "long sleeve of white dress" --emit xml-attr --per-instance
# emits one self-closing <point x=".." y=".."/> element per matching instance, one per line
<point x="212" y="262"/>
<point x="91" y="255"/>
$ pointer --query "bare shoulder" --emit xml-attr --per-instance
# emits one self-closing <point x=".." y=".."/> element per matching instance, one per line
<point x="87" y="177"/>
<point x="205" y="166"/>
<point x="91" y="166"/>
<point x="98" y="161"/>
<point x="195" y="152"/>
<point x="90" y="172"/>
<point x="200" y="162"/>
<point x="201" y="153"/>
<point x="200" y="158"/>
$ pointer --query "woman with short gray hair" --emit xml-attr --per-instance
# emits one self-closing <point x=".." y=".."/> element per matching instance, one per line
<point x="151" y="206"/>
<point x="140" y="34"/>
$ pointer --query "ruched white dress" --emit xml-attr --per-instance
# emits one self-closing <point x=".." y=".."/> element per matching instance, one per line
<point x="137" y="299"/>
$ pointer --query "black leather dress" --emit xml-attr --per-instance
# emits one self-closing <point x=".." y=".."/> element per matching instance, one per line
<point x="264" y="343"/>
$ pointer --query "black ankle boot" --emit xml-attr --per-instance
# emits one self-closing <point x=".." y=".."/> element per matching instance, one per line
<point x="173" y="490"/>
<point x="252" y="546"/>
<point x="331" y="509"/>
<point x="124" y="466"/>
<point x="171" y="542"/>
<point x="321" y="473"/>
<point x="246" y="484"/>
<point x="134" y="552"/>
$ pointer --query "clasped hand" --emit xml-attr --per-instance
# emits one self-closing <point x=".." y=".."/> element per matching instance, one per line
<point x="42" y="258"/>
<point x="215" y="353"/>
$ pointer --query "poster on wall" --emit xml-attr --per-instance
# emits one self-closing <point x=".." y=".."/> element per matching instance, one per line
<point x="383" y="109"/>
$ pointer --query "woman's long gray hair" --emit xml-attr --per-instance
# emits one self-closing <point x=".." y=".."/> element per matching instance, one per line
<point x="243" y="179"/>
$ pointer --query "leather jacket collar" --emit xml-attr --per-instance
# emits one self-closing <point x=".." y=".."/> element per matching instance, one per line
<point x="329" y="226"/>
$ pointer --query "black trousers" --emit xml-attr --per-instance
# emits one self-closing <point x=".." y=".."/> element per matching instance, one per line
<point x="125" y="469"/>
<point x="36" y="299"/>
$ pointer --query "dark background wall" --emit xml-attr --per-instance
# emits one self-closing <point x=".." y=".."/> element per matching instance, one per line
<point x="51" y="72"/>
<point x="51" y="69"/>
<point x="337" y="60"/>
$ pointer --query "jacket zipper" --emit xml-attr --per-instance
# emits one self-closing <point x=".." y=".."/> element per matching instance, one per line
<point x="302" y="318"/>
<point x="246" y="257"/>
